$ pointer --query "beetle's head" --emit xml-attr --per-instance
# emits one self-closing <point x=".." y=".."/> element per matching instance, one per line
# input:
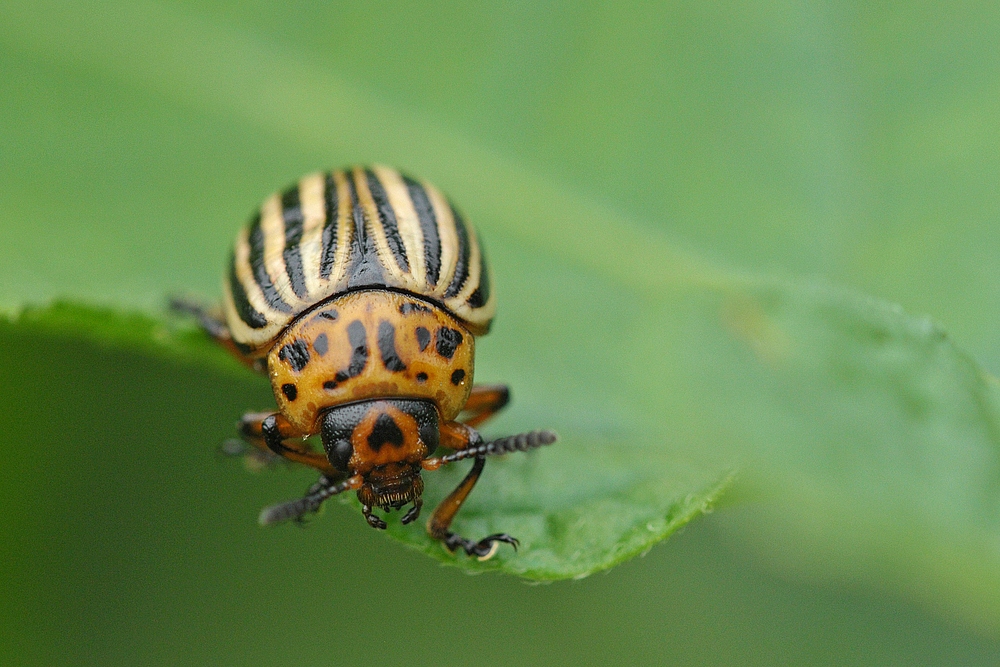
<point x="383" y="441"/>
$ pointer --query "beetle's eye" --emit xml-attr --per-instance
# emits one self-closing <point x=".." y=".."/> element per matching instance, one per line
<point x="428" y="427"/>
<point x="340" y="454"/>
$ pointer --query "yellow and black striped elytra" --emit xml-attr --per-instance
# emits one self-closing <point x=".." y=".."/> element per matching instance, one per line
<point x="345" y="230"/>
<point x="359" y="292"/>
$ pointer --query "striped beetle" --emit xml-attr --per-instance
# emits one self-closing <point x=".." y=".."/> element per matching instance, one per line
<point x="359" y="293"/>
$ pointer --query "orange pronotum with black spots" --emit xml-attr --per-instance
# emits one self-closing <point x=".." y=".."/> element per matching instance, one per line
<point x="359" y="293"/>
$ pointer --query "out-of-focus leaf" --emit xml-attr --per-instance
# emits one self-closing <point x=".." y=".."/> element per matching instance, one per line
<point x="865" y="439"/>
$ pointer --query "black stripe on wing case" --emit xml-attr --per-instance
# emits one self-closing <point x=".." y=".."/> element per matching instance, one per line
<point x="291" y="213"/>
<point x="482" y="292"/>
<point x="247" y="313"/>
<point x="329" y="253"/>
<point x="256" y="238"/>
<point x="387" y="216"/>
<point x="429" y="228"/>
<point x="365" y="268"/>
<point x="462" y="261"/>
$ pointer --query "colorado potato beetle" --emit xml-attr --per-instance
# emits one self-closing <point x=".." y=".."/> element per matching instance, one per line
<point x="359" y="293"/>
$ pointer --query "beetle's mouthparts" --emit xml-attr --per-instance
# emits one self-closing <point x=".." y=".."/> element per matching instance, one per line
<point x="391" y="491"/>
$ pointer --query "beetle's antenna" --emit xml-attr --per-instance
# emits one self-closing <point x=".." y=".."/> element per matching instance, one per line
<point x="296" y="509"/>
<point x="513" y="443"/>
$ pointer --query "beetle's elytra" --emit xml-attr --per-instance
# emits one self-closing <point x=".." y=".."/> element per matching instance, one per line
<point x="359" y="293"/>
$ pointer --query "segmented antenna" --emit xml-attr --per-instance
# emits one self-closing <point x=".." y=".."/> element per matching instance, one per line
<point x="514" y="443"/>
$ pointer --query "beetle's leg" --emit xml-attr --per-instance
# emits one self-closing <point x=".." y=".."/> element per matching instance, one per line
<point x="296" y="509"/>
<point x="440" y="522"/>
<point x="414" y="511"/>
<point x="373" y="521"/>
<point x="215" y="327"/>
<point x="484" y="402"/>
<point x="255" y="458"/>
<point x="468" y="444"/>
<point x="456" y="435"/>
<point x="271" y="432"/>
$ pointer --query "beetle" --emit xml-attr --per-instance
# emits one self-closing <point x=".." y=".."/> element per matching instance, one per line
<point x="359" y="293"/>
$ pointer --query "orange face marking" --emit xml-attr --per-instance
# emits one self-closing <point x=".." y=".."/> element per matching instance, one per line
<point x="386" y="435"/>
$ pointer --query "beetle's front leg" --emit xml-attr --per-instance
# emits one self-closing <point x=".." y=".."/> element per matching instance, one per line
<point x="295" y="510"/>
<point x="373" y="521"/>
<point x="272" y="432"/>
<point x="440" y="522"/>
<point x="468" y="444"/>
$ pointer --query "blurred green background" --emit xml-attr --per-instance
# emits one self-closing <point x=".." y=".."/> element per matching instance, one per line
<point x="854" y="144"/>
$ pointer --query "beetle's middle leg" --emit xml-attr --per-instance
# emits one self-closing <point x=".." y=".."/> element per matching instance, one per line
<point x="485" y="401"/>
<point x="213" y="324"/>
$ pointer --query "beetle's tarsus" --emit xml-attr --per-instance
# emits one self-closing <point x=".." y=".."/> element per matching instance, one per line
<point x="233" y="447"/>
<point x="414" y="512"/>
<point x="296" y="510"/>
<point x="484" y="549"/>
<point x="373" y="521"/>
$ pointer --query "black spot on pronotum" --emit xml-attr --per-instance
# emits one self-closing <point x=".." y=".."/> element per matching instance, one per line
<point x="321" y="344"/>
<point x="385" y="431"/>
<point x="295" y="354"/>
<point x="421" y="377"/>
<point x="423" y="338"/>
<point x="330" y="384"/>
<point x="457" y="376"/>
<point x="331" y="314"/>
<point x="448" y="341"/>
<point x="357" y="336"/>
<point x="290" y="392"/>
<point x="410" y="307"/>
<point x="387" y="347"/>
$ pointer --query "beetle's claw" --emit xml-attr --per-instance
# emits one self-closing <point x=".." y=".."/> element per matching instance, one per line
<point x="487" y="547"/>
<point x="414" y="512"/>
<point x="373" y="521"/>
<point x="484" y="549"/>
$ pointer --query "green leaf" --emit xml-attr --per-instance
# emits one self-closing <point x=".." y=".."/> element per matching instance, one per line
<point x="833" y="405"/>
<point x="787" y="138"/>
<point x="576" y="508"/>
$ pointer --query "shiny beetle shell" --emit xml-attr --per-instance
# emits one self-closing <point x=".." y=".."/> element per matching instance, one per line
<point x="346" y="230"/>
